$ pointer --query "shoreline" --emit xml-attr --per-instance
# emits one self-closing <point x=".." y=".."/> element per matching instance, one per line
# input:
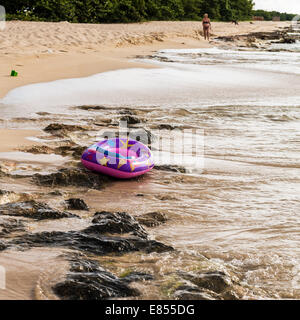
<point x="35" y="68"/>
<point x="74" y="61"/>
<point x="60" y="58"/>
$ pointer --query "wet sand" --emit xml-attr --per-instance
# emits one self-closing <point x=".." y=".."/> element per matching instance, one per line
<point x="11" y="139"/>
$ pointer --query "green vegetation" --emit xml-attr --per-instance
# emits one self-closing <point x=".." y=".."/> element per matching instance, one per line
<point x="268" y="15"/>
<point x="112" y="11"/>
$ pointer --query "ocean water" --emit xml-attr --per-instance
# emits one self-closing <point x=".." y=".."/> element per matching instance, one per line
<point x="242" y="209"/>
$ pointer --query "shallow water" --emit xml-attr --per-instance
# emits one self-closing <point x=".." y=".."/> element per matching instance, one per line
<point x="241" y="206"/>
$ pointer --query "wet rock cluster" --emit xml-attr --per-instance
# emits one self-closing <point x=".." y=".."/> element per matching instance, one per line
<point x="88" y="281"/>
<point x="279" y="36"/>
<point x="171" y="168"/>
<point x="59" y="128"/>
<point x="109" y="233"/>
<point x="152" y="219"/>
<point x="76" y="204"/>
<point x="10" y="225"/>
<point x="212" y="285"/>
<point x="34" y="210"/>
<point x="78" y="177"/>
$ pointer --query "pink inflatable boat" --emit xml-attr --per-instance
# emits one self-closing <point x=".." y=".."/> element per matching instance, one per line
<point x="120" y="158"/>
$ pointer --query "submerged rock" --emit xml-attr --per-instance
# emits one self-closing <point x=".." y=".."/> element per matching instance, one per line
<point x="130" y="112"/>
<point x="196" y="295"/>
<point x="130" y="119"/>
<point x="8" y="226"/>
<point x="93" y="108"/>
<point x="76" y="204"/>
<point x="56" y="127"/>
<point x="165" y="126"/>
<point x="152" y="219"/>
<point x="119" y="222"/>
<point x="34" y="210"/>
<point x="3" y="246"/>
<point x="171" y="168"/>
<point x="136" y="276"/>
<point x="78" y="177"/>
<point x="38" y="150"/>
<point x="88" y="281"/>
<point x="215" y="281"/>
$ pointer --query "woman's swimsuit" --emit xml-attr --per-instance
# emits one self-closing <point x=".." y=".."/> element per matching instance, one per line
<point x="206" y="24"/>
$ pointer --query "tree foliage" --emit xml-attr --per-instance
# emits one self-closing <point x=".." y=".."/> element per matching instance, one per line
<point x="268" y="15"/>
<point x="112" y="11"/>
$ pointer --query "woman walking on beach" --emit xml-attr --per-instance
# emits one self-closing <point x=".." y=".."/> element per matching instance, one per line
<point x="206" y="26"/>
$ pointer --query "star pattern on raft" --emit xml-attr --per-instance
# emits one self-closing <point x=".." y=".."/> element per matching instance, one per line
<point x="126" y="144"/>
<point x="133" y="166"/>
<point x="122" y="162"/>
<point x="104" y="161"/>
<point x="149" y="163"/>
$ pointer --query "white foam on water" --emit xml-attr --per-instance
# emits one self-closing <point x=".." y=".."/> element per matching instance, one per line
<point x="230" y="78"/>
<point x="188" y="85"/>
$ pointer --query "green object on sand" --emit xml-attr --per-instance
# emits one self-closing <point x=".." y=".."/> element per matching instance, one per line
<point x="14" y="73"/>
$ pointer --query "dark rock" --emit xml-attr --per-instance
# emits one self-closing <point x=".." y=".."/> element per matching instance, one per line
<point x="78" y="151"/>
<point x="86" y="266"/>
<point x="74" y="150"/>
<point x="92" y="108"/>
<point x="78" y="177"/>
<point x="145" y="136"/>
<point x="3" y="172"/>
<point x="273" y="35"/>
<point x="4" y="192"/>
<point x="215" y="281"/>
<point x="87" y="281"/>
<point x="137" y="276"/>
<point x="128" y="112"/>
<point x="166" y="197"/>
<point x="43" y="113"/>
<point x="171" y="168"/>
<point x="55" y="127"/>
<point x="56" y="193"/>
<point x="93" y="240"/>
<point x="90" y="242"/>
<point x="288" y="40"/>
<point x="3" y="246"/>
<point x="165" y="127"/>
<point x="230" y="295"/>
<point x="152" y="219"/>
<point x="140" y="195"/>
<point x="120" y="222"/>
<point x="33" y="210"/>
<point x="76" y="204"/>
<point x="130" y="119"/>
<point x="9" y="226"/>
<point x="38" y="150"/>
<point x="195" y="295"/>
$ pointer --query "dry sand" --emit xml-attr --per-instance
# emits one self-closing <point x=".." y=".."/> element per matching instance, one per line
<point x="42" y="51"/>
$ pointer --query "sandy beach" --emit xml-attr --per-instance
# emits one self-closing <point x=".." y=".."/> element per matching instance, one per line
<point x="224" y="227"/>
<point x="44" y="51"/>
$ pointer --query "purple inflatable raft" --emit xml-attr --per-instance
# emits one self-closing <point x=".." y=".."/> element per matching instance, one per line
<point x="120" y="158"/>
